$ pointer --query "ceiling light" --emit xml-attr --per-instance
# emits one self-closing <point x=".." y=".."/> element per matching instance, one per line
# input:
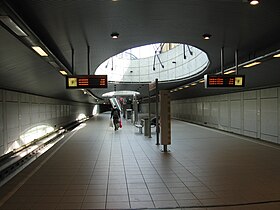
<point x="229" y="72"/>
<point x="12" y="25"/>
<point x="254" y="2"/>
<point x="63" y="72"/>
<point x="277" y="56"/>
<point x="186" y="86"/>
<point x="180" y="88"/>
<point x="201" y="81"/>
<point x="40" y="51"/>
<point x="193" y="84"/>
<point x="206" y="36"/>
<point x="252" y="64"/>
<point x="115" y="35"/>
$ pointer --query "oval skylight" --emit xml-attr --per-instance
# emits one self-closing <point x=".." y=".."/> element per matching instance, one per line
<point x="165" y="61"/>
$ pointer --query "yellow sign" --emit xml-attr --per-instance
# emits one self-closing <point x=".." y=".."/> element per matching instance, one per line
<point x="72" y="82"/>
<point x="238" y="81"/>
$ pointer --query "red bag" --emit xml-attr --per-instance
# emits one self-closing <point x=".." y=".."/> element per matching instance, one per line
<point x="120" y="123"/>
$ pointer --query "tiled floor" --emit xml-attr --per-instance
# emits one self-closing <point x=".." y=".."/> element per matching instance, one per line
<point x="97" y="168"/>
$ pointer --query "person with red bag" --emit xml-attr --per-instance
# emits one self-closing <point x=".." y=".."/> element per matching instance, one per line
<point x="115" y="114"/>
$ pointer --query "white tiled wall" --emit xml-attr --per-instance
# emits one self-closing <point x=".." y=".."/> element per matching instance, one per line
<point x="251" y="113"/>
<point x="20" y="112"/>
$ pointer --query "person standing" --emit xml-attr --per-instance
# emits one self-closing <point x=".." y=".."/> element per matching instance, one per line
<point x="115" y="114"/>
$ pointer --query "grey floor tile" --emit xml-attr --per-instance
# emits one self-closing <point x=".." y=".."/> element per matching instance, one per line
<point x="142" y="204"/>
<point x="94" y="199"/>
<point x="129" y="171"/>
<point x="93" y="206"/>
<point x="117" y="205"/>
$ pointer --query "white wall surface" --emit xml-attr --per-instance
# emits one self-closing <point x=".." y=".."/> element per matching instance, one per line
<point x="251" y="113"/>
<point x="20" y="112"/>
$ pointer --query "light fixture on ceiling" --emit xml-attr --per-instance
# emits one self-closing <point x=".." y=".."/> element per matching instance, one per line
<point x="254" y="2"/>
<point x="12" y="25"/>
<point x="193" y="84"/>
<point x="276" y="56"/>
<point x="63" y="72"/>
<point x="206" y="36"/>
<point x="252" y="64"/>
<point x="40" y="51"/>
<point x="230" y="72"/>
<point x="186" y="86"/>
<point x="115" y="35"/>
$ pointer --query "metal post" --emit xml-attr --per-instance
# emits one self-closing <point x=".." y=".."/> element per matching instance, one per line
<point x="157" y="124"/>
<point x="88" y="60"/>
<point x="149" y="134"/>
<point x="222" y="60"/>
<point x="73" y="63"/>
<point x="184" y="49"/>
<point x="236" y="62"/>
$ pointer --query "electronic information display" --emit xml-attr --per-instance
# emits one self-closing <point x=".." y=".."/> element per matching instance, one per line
<point x="86" y="81"/>
<point x="224" y="81"/>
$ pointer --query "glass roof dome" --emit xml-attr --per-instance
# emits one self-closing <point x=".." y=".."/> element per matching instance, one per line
<point x="165" y="61"/>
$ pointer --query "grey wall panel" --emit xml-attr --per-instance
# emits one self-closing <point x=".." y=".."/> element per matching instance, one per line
<point x="235" y="117"/>
<point x="269" y="93"/>
<point x="250" y="115"/>
<point x="1" y="95"/>
<point x="250" y="134"/>
<point x="42" y="112"/>
<point x="24" y="98"/>
<point x="199" y="111"/>
<point x="235" y="96"/>
<point x="25" y="118"/>
<point x="35" y="113"/>
<point x="11" y="96"/>
<point x="13" y="134"/>
<point x="193" y="111"/>
<point x="12" y="115"/>
<point x="214" y="112"/>
<point x="206" y="111"/>
<point x="20" y="112"/>
<point x="223" y="109"/>
<point x="250" y="94"/>
<point x="269" y="117"/>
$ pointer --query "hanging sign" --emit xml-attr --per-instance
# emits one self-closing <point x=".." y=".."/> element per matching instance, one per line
<point x="224" y="81"/>
<point x="86" y="81"/>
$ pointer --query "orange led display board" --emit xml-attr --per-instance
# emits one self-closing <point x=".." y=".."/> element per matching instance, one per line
<point x="86" y="81"/>
<point x="224" y="81"/>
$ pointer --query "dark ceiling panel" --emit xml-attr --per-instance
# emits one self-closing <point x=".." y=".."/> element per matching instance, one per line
<point x="66" y="25"/>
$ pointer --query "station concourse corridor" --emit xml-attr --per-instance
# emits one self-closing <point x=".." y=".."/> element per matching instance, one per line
<point x="94" y="167"/>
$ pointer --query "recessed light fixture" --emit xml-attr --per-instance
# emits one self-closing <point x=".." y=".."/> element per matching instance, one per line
<point x="180" y="88"/>
<point x="276" y="56"/>
<point x="186" y="86"/>
<point x="12" y="25"/>
<point x="206" y="36"/>
<point x="252" y="64"/>
<point x="63" y="72"/>
<point x="229" y="72"/>
<point x="40" y="51"/>
<point x="115" y="35"/>
<point x="193" y="84"/>
<point x="254" y="2"/>
<point x="201" y="81"/>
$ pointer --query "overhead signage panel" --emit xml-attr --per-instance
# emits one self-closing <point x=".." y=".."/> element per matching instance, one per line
<point x="224" y="81"/>
<point x="86" y="81"/>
